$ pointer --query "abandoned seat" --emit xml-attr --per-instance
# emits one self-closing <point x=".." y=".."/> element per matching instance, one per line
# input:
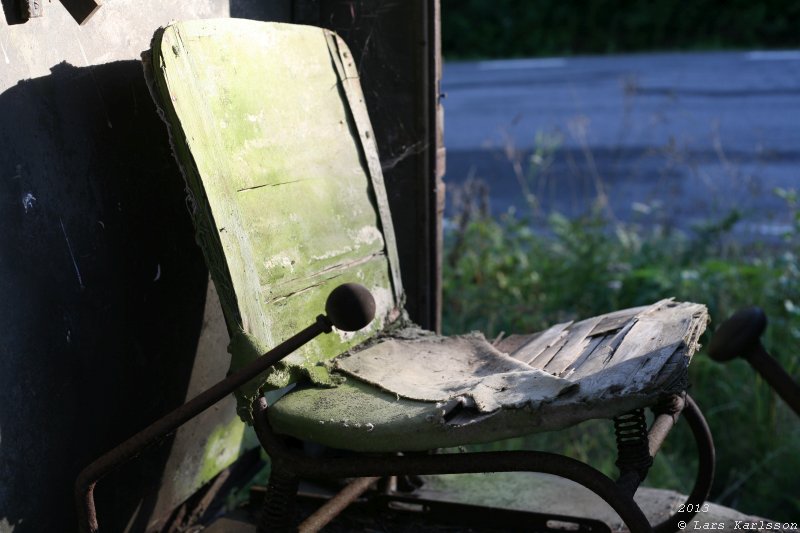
<point x="270" y="129"/>
<point x="414" y="390"/>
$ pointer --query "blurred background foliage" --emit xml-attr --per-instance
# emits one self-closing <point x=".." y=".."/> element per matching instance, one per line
<point x="521" y="271"/>
<point x="527" y="28"/>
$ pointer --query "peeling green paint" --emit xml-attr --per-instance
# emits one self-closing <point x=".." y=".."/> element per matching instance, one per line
<point x="285" y="183"/>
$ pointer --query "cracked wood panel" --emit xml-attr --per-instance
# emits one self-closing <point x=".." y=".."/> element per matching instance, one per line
<point x="285" y="204"/>
<point x="640" y="352"/>
<point x="534" y="345"/>
<point x="633" y="351"/>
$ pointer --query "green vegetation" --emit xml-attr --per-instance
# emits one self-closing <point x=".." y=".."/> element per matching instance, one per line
<point x="515" y="28"/>
<point x="523" y="271"/>
<point x="501" y="275"/>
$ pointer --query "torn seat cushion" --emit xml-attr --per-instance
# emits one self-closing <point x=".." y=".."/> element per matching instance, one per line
<point x="414" y="390"/>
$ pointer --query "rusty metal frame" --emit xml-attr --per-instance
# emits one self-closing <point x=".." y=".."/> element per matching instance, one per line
<point x="289" y="464"/>
<point x="336" y="505"/>
<point x="88" y="478"/>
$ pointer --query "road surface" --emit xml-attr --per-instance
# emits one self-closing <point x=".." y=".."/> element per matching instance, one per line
<point x="685" y="136"/>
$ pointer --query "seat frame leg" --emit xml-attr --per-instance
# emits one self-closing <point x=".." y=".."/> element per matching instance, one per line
<point x="706" y="456"/>
<point x="365" y="465"/>
<point x="636" y="448"/>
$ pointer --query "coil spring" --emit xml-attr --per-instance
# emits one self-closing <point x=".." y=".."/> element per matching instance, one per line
<point x="277" y="513"/>
<point x="633" y="453"/>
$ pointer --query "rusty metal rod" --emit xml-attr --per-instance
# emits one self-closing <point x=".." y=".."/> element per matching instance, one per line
<point x="88" y="478"/>
<point x="659" y="430"/>
<point x="774" y="374"/>
<point x="336" y="505"/>
<point x="667" y="414"/>
<point x="349" y="307"/>
<point x="705" y="468"/>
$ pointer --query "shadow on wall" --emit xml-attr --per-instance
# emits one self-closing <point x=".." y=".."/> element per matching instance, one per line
<point x="102" y="290"/>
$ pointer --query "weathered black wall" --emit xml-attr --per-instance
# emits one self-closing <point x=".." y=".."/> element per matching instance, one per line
<point x="102" y="288"/>
<point x="98" y="258"/>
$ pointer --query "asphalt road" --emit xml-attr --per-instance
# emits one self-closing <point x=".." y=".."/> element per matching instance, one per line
<point x="684" y="137"/>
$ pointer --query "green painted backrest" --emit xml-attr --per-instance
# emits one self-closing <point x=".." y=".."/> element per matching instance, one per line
<point x="269" y="125"/>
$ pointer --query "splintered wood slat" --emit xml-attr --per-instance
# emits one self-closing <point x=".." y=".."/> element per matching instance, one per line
<point x="657" y="327"/>
<point x="538" y="343"/>
<point x="662" y="363"/>
<point x="544" y="357"/>
<point x="514" y="342"/>
<point x="572" y="343"/>
<point x="612" y="322"/>
<point x="658" y="340"/>
<point x="689" y="345"/>
<point x="579" y="340"/>
<point x="602" y="354"/>
<point x="607" y="349"/>
<point x="564" y="367"/>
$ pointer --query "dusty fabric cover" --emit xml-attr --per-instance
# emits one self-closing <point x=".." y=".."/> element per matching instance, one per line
<point x="437" y="369"/>
<point x="642" y="351"/>
<point x="415" y="391"/>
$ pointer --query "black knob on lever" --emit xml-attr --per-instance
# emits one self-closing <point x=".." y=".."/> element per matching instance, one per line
<point x="740" y="335"/>
<point x="350" y="307"/>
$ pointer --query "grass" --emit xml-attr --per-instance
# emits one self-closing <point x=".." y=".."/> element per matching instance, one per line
<point x="502" y="275"/>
